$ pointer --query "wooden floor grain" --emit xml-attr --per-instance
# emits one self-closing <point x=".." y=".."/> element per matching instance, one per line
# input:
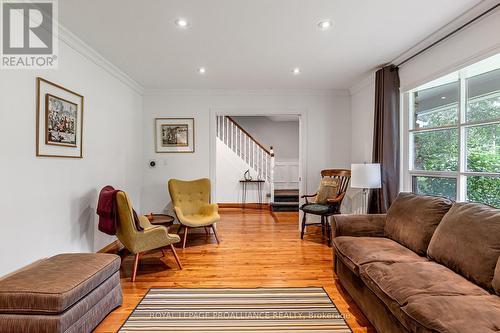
<point x="255" y="251"/>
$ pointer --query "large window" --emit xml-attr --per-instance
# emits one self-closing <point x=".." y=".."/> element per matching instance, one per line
<point x="454" y="136"/>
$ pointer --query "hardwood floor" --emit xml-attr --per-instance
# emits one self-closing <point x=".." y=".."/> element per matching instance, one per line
<point x="255" y="251"/>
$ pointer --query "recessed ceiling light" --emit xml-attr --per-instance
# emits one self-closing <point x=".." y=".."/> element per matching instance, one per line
<point x="443" y="97"/>
<point x="181" y="23"/>
<point x="296" y="71"/>
<point x="325" y="24"/>
<point x="202" y="70"/>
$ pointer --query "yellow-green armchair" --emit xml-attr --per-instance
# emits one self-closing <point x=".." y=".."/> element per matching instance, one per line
<point x="191" y="203"/>
<point x="138" y="242"/>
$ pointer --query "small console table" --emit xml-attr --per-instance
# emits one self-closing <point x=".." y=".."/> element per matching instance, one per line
<point x="244" y="183"/>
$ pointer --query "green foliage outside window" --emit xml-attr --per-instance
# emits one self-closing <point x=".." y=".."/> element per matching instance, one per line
<point x="437" y="150"/>
<point x="445" y="187"/>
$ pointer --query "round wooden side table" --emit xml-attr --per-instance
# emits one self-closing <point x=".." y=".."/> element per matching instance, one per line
<point x="162" y="219"/>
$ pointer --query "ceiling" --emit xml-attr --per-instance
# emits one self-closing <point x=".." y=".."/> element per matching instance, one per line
<point x="254" y="44"/>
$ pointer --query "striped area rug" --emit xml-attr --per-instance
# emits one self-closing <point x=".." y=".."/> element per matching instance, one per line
<point x="263" y="310"/>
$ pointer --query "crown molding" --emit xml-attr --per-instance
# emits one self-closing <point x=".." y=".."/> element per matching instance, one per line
<point x="245" y="92"/>
<point x="470" y="14"/>
<point x="74" y="42"/>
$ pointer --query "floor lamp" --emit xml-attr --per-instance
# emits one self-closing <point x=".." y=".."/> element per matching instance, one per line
<point x="365" y="176"/>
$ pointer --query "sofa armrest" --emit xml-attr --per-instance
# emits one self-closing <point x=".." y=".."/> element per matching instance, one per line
<point x="366" y="225"/>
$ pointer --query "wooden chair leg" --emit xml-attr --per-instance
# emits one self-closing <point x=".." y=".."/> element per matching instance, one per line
<point x="215" y="233"/>
<point x="175" y="255"/>
<point x="303" y="225"/>
<point x="322" y="225"/>
<point x="163" y="252"/>
<point x="186" y="228"/>
<point x="136" y="263"/>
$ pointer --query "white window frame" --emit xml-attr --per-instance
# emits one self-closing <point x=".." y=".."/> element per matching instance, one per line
<point x="408" y="130"/>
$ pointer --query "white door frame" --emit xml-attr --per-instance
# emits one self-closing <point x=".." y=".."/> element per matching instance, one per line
<point x="300" y="112"/>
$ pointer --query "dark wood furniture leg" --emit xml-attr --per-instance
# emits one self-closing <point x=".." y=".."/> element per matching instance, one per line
<point x="322" y="225"/>
<point x="303" y="225"/>
<point x="215" y="233"/>
<point x="259" y="189"/>
<point x="244" y="195"/>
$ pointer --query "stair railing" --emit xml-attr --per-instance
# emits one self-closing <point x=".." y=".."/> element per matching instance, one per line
<point x="247" y="148"/>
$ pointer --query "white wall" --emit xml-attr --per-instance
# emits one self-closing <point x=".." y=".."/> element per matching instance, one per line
<point x="362" y="110"/>
<point x="48" y="204"/>
<point x="283" y="136"/>
<point x="328" y="131"/>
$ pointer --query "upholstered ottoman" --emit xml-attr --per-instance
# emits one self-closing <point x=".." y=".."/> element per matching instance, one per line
<point x="64" y="293"/>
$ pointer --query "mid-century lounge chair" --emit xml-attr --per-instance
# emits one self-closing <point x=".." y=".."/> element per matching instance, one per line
<point x="138" y="242"/>
<point x="191" y="203"/>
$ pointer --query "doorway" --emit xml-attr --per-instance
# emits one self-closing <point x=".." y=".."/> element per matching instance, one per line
<point x="258" y="146"/>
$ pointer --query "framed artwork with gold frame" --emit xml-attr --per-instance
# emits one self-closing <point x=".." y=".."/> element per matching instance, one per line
<point x="174" y="135"/>
<point x="59" y="121"/>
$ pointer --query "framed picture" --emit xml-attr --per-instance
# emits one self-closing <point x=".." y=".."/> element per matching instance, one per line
<point x="174" y="135"/>
<point x="59" y="121"/>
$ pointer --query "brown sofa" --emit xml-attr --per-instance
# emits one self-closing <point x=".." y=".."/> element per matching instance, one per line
<point x="429" y="265"/>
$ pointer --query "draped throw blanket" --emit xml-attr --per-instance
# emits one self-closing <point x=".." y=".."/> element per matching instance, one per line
<point x="108" y="214"/>
<point x="386" y="138"/>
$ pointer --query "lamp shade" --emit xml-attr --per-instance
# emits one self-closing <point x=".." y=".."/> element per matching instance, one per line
<point x="365" y="175"/>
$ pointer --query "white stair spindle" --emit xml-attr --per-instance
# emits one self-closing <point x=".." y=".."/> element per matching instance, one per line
<point x="226" y="128"/>
<point x="242" y="152"/>
<point x="233" y="135"/>
<point x="254" y="155"/>
<point x="224" y="131"/>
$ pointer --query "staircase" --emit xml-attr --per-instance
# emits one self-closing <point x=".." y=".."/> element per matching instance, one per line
<point x="260" y="161"/>
<point x="285" y="201"/>
<point x="258" y="157"/>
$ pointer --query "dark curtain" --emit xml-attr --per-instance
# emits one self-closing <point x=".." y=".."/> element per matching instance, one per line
<point x="386" y="138"/>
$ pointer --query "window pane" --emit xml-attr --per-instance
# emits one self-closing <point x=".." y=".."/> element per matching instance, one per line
<point x="484" y="189"/>
<point x="437" y="106"/>
<point x="483" y="148"/>
<point x="446" y="187"/>
<point x="483" y="101"/>
<point x="436" y="150"/>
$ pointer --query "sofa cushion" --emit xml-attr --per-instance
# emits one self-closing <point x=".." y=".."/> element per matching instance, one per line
<point x="54" y="284"/>
<point x="357" y="251"/>
<point x="401" y="281"/>
<point x="398" y="284"/>
<point x="496" y="278"/>
<point x="412" y="219"/>
<point x="468" y="242"/>
<point x="455" y="314"/>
